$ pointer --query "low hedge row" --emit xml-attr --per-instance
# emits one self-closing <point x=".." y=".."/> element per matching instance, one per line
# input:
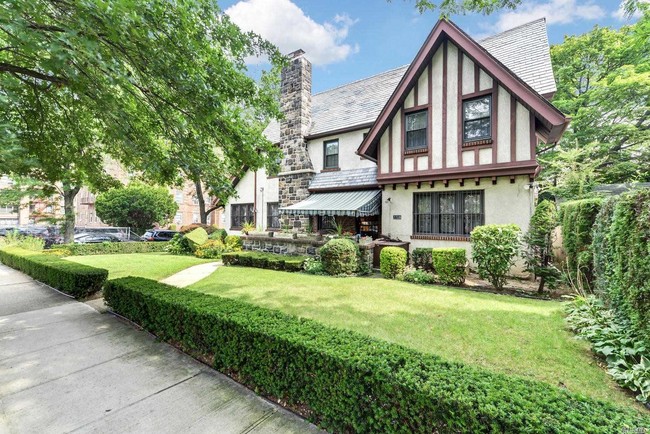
<point x="76" y="249"/>
<point x="348" y="382"/>
<point x="74" y="279"/>
<point x="264" y="260"/>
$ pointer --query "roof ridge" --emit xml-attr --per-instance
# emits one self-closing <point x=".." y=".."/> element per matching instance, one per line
<point x="496" y="35"/>
<point x="360" y="79"/>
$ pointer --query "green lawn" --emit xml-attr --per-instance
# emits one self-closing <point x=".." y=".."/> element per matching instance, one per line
<point x="150" y="265"/>
<point x="511" y="335"/>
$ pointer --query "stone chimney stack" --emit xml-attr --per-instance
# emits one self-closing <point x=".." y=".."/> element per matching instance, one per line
<point x="296" y="170"/>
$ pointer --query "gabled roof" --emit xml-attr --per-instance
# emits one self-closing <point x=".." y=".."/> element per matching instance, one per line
<point x="524" y="50"/>
<point x="551" y="119"/>
<point x="353" y="104"/>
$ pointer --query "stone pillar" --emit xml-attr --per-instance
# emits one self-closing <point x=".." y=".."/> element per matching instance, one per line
<point x="296" y="170"/>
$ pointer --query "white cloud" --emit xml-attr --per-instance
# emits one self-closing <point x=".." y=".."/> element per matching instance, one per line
<point x="555" y="12"/>
<point x="286" y="25"/>
<point x="619" y="13"/>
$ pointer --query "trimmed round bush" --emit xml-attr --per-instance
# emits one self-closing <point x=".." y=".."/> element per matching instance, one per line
<point x="340" y="256"/>
<point x="449" y="265"/>
<point x="392" y="262"/>
<point x="494" y="249"/>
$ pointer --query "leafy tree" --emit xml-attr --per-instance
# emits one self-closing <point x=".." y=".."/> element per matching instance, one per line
<point x="151" y="83"/>
<point x="539" y="244"/>
<point x="603" y="80"/>
<point x="137" y="206"/>
<point x="450" y="7"/>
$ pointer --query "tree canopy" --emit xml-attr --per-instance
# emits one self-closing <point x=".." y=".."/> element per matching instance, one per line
<point x="137" y="206"/>
<point x="603" y="81"/>
<point x="160" y="86"/>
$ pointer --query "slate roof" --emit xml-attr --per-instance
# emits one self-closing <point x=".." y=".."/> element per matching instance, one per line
<point x="351" y="179"/>
<point x="524" y="50"/>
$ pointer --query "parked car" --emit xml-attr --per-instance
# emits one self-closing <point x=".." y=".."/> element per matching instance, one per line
<point x="86" y="237"/>
<point x="159" y="235"/>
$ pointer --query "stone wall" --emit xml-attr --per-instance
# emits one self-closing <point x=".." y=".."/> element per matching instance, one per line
<point x="297" y="246"/>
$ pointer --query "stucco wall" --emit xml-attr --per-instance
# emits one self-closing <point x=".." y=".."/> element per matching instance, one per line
<point x="504" y="203"/>
<point x="445" y="120"/>
<point x="348" y="144"/>
<point x="248" y="193"/>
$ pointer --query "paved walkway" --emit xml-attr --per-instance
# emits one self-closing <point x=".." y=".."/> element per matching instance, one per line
<point x="191" y="275"/>
<point x="65" y="367"/>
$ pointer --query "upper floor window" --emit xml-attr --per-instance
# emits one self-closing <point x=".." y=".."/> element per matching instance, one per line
<point x="416" y="130"/>
<point x="477" y="119"/>
<point x="331" y="151"/>
<point x="447" y="213"/>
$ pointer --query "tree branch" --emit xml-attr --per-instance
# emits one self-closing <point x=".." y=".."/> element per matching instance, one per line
<point x="5" y="67"/>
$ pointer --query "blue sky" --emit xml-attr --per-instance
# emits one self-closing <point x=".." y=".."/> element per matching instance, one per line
<point x="349" y="40"/>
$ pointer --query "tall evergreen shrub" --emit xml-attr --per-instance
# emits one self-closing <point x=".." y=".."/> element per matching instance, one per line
<point x="577" y="219"/>
<point x="539" y="244"/>
<point x="628" y="286"/>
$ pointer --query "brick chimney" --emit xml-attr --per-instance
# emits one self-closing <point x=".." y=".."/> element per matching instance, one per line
<point x="296" y="170"/>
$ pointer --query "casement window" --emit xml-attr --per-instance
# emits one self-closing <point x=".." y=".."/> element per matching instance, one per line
<point x="416" y="130"/>
<point x="447" y="213"/>
<point x="477" y="119"/>
<point x="241" y="213"/>
<point x="273" y="215"/>
<point x="331" y="154"/>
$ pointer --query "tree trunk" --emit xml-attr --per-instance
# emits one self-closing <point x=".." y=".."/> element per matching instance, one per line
<point x="201" y="199"/>
<point x="69" y="193"/>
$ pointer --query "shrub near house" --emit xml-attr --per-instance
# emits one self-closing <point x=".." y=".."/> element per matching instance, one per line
<point x="494" y="249"/>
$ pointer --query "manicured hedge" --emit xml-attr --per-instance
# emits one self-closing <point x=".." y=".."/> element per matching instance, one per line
<point x="449" y="265"/>
<point x="577" y="218"/>
<point x="75" y="279"/>
<point x="264" y="260"/>
<point x="392" y="261"/>
<point x="348" y="382"/>
<point x="113" y="248"/>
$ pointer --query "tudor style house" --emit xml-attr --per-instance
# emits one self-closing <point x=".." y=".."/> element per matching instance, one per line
<point x="423" y="153"/>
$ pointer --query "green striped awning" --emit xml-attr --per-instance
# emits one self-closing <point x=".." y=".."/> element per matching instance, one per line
<point x="344" y="203"/>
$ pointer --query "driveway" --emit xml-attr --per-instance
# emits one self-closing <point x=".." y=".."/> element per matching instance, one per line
<point x="65" y="367"/>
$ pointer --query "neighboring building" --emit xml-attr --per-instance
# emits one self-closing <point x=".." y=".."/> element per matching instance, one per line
<point x="35" y="211"/>
<point x="423" y="153"/>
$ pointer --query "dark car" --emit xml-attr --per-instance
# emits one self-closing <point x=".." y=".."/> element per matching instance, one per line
<point x="159" y="235"/>
<point x="85" y="238"/>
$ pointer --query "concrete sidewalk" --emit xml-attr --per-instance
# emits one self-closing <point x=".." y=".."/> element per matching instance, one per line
<point x="65" y="367"/>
